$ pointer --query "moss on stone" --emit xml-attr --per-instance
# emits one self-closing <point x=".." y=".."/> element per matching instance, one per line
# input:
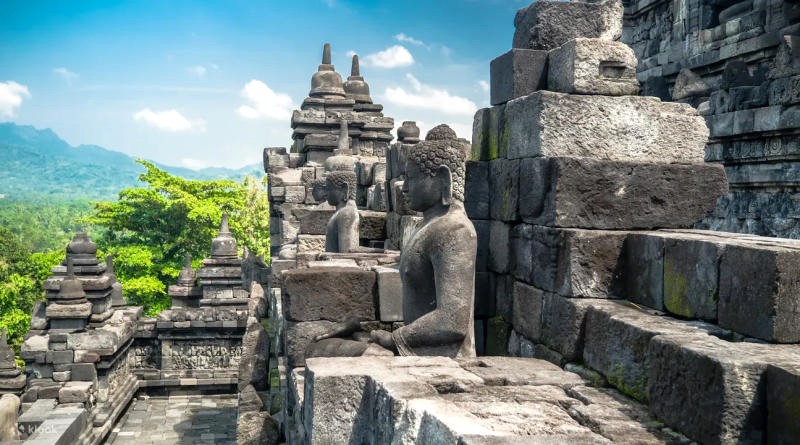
<point x="637" y="390"/>
<point x="675" y="291"/>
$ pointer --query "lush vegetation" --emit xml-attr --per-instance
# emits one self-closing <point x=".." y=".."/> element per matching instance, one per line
<point x="21" y="276"/>
<point x="149" y="229"/>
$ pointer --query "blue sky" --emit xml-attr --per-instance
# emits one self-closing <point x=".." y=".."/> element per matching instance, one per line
<point x="211" y="83"/>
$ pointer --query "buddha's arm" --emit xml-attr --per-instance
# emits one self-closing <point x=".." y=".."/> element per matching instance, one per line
<point x="348" y="232"/>
<point x="453" y="263"/>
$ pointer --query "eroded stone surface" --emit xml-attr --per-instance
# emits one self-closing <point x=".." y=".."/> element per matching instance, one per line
<point x="407" y="400"/>
<point x="626" y="128"/>
<point x="549" y="24"/>
<point x="592" y="66"/>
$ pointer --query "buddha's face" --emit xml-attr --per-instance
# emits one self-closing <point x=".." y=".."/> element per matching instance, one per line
<point x="336" y="194"/>
<point x="423" y="191"/>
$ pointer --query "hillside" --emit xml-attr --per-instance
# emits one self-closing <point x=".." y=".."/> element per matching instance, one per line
<point x="38" y="164"/>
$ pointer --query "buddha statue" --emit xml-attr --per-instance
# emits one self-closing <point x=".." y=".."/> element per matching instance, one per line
<point x="437" y="266"/>
<point x="341" y="234"/>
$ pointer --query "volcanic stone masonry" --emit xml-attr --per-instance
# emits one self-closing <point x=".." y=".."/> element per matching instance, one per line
<point x="738" y="62"/>
<point x="570" y="173"/>
<point x="335" y="110"/>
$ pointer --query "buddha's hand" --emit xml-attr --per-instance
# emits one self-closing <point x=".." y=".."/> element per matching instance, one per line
<point x="383" y="338"/>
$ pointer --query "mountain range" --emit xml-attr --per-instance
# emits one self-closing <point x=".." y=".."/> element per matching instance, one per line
<point x="37" y="163"/>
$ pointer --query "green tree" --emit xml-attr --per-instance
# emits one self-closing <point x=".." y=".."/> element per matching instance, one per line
<point x="21" y="278"/>
<point x="148" y="229"/>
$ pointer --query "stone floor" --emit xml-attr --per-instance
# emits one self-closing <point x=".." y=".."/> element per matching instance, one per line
<point x="185" y="419"/>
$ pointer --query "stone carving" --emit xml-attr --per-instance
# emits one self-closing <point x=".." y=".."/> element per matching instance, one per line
<point x="437" y="266"/>
<point x="342" y="230"/>
<point x="9" y="409"/>
<point x="11" y="378"/>
<point x="201" y="354"/>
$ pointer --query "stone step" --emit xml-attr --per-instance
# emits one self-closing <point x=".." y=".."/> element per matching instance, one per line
<point x="745" y="283"/>
<point x="669" y="363"/>
<point x="469" y="401"/>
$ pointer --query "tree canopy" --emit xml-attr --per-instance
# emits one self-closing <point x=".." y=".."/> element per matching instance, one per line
<point x="149" y="229"/>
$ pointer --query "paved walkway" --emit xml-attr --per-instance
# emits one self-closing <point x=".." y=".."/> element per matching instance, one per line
<point x="209" y="419"/>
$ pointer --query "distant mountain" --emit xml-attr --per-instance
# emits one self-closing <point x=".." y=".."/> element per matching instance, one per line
<point x="37" y="163"/>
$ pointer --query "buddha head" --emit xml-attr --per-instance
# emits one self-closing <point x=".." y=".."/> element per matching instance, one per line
<point x="341" y="187"/>
<point x="435" y="170"/>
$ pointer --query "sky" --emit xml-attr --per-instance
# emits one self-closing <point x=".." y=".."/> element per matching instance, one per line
<point x="198" y="84"/>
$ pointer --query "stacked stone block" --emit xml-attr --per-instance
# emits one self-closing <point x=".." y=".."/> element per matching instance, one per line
<point x="197" y="343"/>
<point x="334" y="111"/>
<point x="12" y="380"/>
<point x="568" y="151"/>
<point x="78" y="352"/>
<point x="576" y="177"/>
<point x="401" y="221"/>
<point x="738" y="63"/>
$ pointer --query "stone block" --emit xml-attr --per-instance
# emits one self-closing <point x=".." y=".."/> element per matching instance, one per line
<point x="310" y="243"/>
<point x="329" y="294"/>
<point x="527" y="313"/>
<point x="372" y="225"/>
<point x="593" y="66"/>
<point x="74" y="392"/>
<point x="617" y="341"/>
<point x="547" y="25"/>
<point x="570" y="262"/>
<point x="783" y="400"/>
<point x="482" y="232"/>
<point x="644" y="270"/>
<point x="489" y="136"/>
<point x="477" y="190"/>
<point x="603" y="194"/>
<point x="498" y="331"/>
<point x="504" y="189"/>
<point x="691" y="277"/>
<point x="724" y="381"/>
<point x="484" y="295"/>
<point x="517" y="73"/>
<point x="503" y="295"/>
<point x="295" y="194"/>
<point x="563" y="325"/>
<point x="390" y="294"/>
<point x="759" y="291"/>
<point x="626" y="128"/>
<point x="499" y="247"/>
<point x="314" y="221"/>
<point x="84" y="372"/>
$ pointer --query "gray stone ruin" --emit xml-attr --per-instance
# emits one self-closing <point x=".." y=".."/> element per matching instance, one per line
<point x="547" y="282"/>
<point x="606" y="313"/>
<point x="738" y="62"/>
<point x="338" y="127"/>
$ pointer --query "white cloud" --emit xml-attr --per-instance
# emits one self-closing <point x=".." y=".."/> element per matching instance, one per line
<point x="393" y="57"/>
<point x="403" y="38"/>
<point x="11" y="96"/>
<point x="446" y="51"/>
<point x="484" y="85"/>
<point x="198" y="70"/>
<point x="194" y="164"/>
<point x="426" y="97"/>
<point x="214" y="66"/>
<point x="168" y="120"/>
<point x="65" y="74"/>
<point x="265" y="103"/>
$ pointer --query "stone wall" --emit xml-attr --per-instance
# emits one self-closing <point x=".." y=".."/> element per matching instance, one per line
<point x="738" y="63"/>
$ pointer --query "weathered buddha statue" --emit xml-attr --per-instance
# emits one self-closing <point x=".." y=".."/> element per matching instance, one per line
<point x="341" y="234"/>
<point x="437" y="266"/>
